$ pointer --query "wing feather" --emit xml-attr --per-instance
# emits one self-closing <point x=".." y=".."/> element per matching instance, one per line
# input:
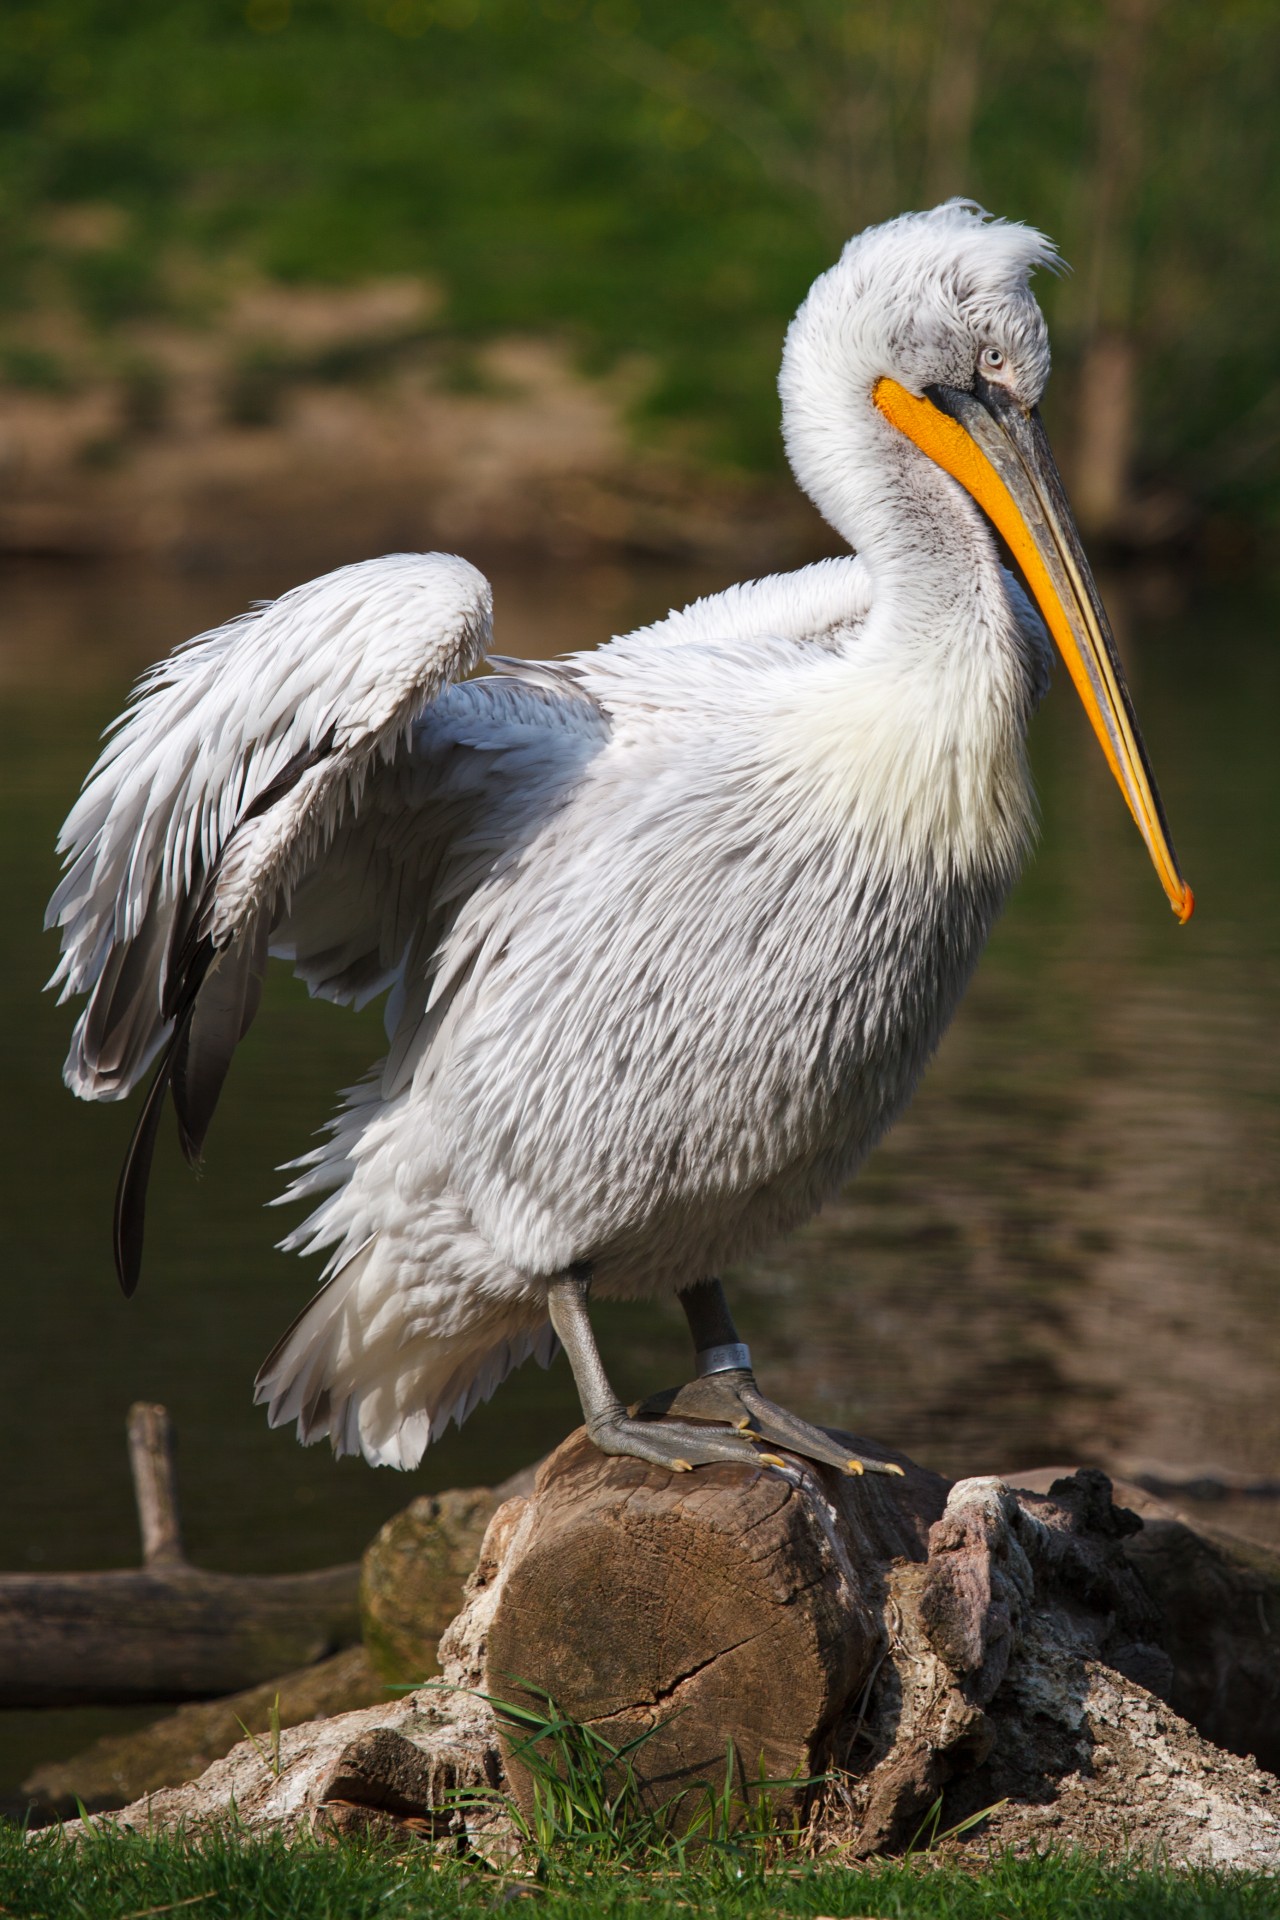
<point x="240" y="753"/>
<point x="235" y="766"/>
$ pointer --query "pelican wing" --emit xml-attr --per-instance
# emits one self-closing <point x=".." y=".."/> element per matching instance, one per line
<point x="237" y="766"/>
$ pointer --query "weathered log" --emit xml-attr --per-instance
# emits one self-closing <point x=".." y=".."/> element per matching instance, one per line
<point x="349" y="1774"/>
<point x="415" y="1570"/>
<point x="990" y="1649"/>
<point x="166" y="1631"/>
<point x="80" y="1639"/>
<point x="1220" y="1601"/>
<point x="1218" y="1597"/>
<point x="121" y="1767"/>
<point x="915" y="1640"/>
<point x="412" y="1578"/>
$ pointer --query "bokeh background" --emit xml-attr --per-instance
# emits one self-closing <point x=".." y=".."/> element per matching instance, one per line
<point x="649" y="188"/>
<point x="288" y="283"/>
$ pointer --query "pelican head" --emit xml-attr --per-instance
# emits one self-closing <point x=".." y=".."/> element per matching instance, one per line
<point x="913" y="369"/>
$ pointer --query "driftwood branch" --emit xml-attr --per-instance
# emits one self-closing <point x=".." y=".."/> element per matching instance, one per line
<point x="165" y="1631"/>
<point x="155" y="1484"/>
<point x="115" y="1639"/>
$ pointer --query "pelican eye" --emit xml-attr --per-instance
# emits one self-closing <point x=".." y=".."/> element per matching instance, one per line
<point x="991" y="359"/>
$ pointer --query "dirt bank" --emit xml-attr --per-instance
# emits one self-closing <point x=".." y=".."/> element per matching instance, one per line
<point x="309" y="420"/>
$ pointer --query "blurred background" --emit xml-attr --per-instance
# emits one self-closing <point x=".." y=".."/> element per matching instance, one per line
<point x="223" y="219"/>
<point x="293" y="282"/>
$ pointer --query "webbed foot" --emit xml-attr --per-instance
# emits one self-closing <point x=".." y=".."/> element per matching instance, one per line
<point x="677" y="1444"/>
<point x="732" y="1398"/>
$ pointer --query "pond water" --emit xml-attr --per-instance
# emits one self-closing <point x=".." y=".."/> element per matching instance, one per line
<point x="1065" y="1252"/>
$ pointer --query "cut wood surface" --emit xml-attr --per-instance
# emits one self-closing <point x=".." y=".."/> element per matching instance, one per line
<point x="722" y="1605"/>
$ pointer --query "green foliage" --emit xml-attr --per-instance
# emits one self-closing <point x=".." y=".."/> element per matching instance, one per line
<point x="110" y="284"/>
<point x="33" y="369"/>
<point x="666" y="180"/>
<point x="595" y="1845"/>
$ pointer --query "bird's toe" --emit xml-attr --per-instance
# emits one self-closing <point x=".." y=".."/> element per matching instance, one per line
<point x="780" y="1428"/>
<point x="733" y="1399"/>
<point x="679" y="1445"/>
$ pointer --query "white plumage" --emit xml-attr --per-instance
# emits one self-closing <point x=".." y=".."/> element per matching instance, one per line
<point x="668" y="931"/>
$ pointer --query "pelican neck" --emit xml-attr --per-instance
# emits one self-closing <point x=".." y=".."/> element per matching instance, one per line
<point x="932" y="559"/>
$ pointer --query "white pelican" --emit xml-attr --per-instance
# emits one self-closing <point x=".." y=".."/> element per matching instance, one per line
<point x="667" y="931"/>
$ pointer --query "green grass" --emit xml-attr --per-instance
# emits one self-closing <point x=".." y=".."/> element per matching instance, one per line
<point x="115" y="1875"/>
<point x="593" y="1845"/>
<point x="590" y="1805"/>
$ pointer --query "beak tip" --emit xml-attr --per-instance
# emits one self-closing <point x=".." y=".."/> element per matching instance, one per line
<point x="1186" y="906"/>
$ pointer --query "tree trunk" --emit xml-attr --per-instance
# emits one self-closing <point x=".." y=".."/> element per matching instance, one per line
<point x="1104" y="445"/>
<point x="1106" y="399"/>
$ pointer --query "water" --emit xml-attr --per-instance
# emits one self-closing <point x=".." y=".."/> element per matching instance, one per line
<point x="1065" y="1252"/>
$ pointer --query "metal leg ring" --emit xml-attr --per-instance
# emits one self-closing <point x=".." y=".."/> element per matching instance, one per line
<point x="724" y="1359"/>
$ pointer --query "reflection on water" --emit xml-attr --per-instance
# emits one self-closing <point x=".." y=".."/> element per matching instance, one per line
<point x="1065" y="1251"/>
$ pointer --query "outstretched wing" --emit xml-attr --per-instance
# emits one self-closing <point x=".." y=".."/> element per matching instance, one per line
<point x="229" y="775"/>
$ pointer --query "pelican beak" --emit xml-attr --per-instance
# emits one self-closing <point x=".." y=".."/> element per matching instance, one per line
<point x="999" y="453"/>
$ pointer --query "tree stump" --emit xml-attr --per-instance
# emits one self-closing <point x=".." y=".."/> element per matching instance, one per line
<point x="910" y="1639"/>
<point x="982" y="1649"/>
<point x="725" y="1608"/>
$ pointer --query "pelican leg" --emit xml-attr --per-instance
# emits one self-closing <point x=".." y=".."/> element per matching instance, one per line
<point x="676" y="1444"/>
<point x="725" y="1390"/>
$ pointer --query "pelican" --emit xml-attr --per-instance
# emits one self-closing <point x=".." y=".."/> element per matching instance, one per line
<point x="667" y="931"/>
